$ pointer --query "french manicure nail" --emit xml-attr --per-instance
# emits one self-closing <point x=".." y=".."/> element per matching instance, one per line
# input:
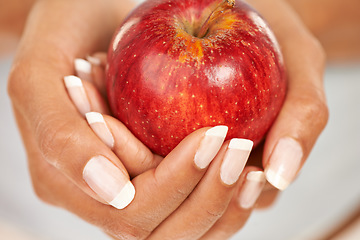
<point x="210" y="145"/>
<point x="251" y="189"/>
<point x="83" y="69"/>
<point x="235" y="159"/>
<point x="109" y="182"/>
<point x="284" y="163"/>
<point x="98" y="125"/>
<point x="93" y="60"/>
<point x="77" y="93"/>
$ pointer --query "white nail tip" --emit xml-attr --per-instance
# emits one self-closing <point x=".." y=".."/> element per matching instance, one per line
<point x="82" y="65"/>
<point x="94" y="117"/>
<point x="218" y="131"/>
<point x="103" y="131"/>
<point x="93" y="60"/>
<point x="256" y="176"/>
<point x="72" y="81"/>
<point x="125" y="197"/>
<point x="241" y="144"/>
<point x="276" y="180"/>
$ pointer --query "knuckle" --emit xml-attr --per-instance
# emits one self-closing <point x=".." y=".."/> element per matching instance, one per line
<point x="181" y="193"/>
<point x="319" y="110"/>
<point x="323" y="113"/>
<point x="14" y="80"/>
<point x="316" y="51"/>
<point x="54" y="135"/>
<point x="144" y="158"/>
<point x="316" y="109"/>
<point x="128" y="232"/>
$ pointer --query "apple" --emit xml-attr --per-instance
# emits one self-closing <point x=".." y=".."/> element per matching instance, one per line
<point x="178" y="65"/>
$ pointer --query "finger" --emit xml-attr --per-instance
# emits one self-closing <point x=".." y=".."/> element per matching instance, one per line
<point x="162" y="190"/>
<point x="70" y="146"/>
<point x="62" y="136"/>
<point x="49" y="184"/>
<point x="207" y="203"/>
<point x="98" y="61"/>
<point x="135" y="156"/>
<point x="269" y="193"/>
<point x="85" y="95"/>
<point x="92" y="69"/>
<point x="75" y="151"/>
<point x="83" y="69"/>
<point x="250" y="185"/>
<point x="99" y="166"/>
<point x="158" y="192"/>
<point x="267" y="197"/>
<point x="304" y="113"/>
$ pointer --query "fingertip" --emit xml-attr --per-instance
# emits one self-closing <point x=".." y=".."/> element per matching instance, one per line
<point x="100" y="127"/>
<point x="93" y="60"/>
<point x="217" y="131"/>
<point x="241" y="144"/>
<point x="284" y="163"/>
<point x="210" y="146"/>
<point x="108" y="181"/>
<point x="251" y="188"/>
<point x="97" y="58"/>
<point x="276" y="180"/>
<point x="235" y="159"/>
<point x="72" y="81"/>
<point x="83" y="69"/>
<point x="76" y="91"/>
<point x="125" y="197"/>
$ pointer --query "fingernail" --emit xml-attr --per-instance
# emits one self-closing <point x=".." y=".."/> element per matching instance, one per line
<point x="235" y="159"/>
<point x="284" y="163"/>
<point x="98" y="125"/>
<point x="93" y="60"/>
<point x="210" y="145"/>
<point x="83" y="69"/>
<point x="109" y="182"/>
<point x="77" y="93"/>
<point x="251" y="189"/>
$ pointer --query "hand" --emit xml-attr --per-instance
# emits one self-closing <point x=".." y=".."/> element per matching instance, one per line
<point x="68" y="162"/>
<point x="48" y="127"/>
<point x="304" y="113"/>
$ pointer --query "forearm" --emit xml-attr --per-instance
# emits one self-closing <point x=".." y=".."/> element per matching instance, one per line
<point x="335" y="23"/>
<point x="13" y="16"/>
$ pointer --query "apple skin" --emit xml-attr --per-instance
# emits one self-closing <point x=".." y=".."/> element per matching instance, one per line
<point x="163" y="82"/>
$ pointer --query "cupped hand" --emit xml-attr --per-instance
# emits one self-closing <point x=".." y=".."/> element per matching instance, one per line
<point x="75" y="167"/>
<point x="63" y="151"/>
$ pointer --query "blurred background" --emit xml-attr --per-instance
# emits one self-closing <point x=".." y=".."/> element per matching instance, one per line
<point x="323" y="203"/>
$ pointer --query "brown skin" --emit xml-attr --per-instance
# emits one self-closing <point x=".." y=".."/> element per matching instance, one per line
<point x="56" y="163"/>
<point x="335" y="24"/>
<point x="13" y="16"/>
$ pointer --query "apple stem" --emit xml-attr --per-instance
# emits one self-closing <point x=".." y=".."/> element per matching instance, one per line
<point x="220" y="8"/>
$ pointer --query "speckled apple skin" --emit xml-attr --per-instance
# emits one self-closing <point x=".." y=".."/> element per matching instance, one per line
<point x="163" y="83"/>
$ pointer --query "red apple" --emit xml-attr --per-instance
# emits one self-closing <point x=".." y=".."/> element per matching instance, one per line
<point x="178" y="65"/>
